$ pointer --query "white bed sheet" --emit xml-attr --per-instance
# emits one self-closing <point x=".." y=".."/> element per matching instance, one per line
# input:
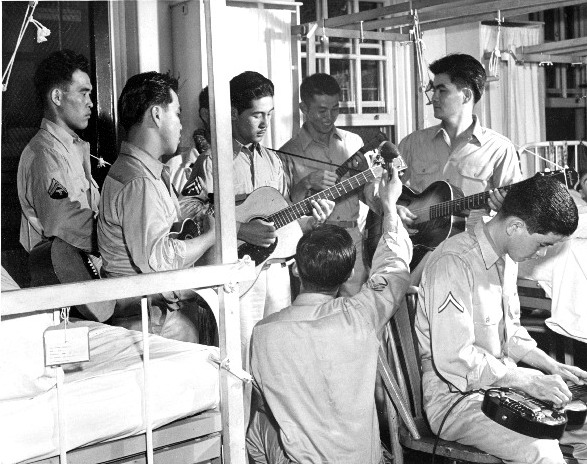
<point x="103" y="397"/>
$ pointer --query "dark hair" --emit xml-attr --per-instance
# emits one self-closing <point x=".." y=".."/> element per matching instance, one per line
<point x="325" y="257"/>
<point x="57" y="70"/>
<point x="204" y="99"/>
<point x="249" y="86"/>
<point x="544" y="204"/>
<point x="464" y="71"/>
<point x="318" y="84"/>
<point x="142" y="91"/>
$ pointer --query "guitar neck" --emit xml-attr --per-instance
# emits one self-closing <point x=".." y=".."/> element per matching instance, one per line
<point x="476" y="201"/>
<point x="304" y="207"/>
<point x="479" y="200"/>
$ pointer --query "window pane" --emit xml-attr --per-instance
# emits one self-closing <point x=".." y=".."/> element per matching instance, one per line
<point x="338" y="8"/>
<point x="370" y="75"/>
<point x="340" y="45"/>
<point x="341" y="71"/>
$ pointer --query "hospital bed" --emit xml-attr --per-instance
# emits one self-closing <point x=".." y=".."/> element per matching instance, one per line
<point x="98" y="411"/>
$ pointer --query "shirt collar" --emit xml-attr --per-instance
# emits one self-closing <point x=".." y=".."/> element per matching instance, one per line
<point x="309" y="135"/>
<point x="154" y="166"/>
<point x="237" y="147"/>
<point x="488" y="251"/>
<point x="66" y="139"/>
<point x="478" y="131"/>
<point x="304" y="307"/>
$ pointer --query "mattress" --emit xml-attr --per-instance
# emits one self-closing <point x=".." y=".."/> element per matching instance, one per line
<point x="103" y="398"/>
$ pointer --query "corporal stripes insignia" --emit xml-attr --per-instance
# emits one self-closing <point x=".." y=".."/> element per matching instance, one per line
<point x="193" y="188"/>
<point x="56" y="190"/>
<point x="451" y="300"/>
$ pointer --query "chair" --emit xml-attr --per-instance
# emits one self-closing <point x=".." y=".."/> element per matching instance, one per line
<point x="535" y="309"/>
<point x="404" y="357"/>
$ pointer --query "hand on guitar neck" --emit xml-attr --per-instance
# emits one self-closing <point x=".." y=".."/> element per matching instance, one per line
<point x="409" y="219"/>
<point x="261" y="233"/>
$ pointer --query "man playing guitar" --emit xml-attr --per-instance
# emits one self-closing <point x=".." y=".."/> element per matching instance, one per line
<point x="139" y="206"/>
<point x="57" y="194"/>
<point x="319" y="139"/>
<point x="458" y="150"/>
<point x="251" y="97"/>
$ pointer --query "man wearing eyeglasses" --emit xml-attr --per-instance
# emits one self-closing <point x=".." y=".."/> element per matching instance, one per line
<point x="458" y="150"/>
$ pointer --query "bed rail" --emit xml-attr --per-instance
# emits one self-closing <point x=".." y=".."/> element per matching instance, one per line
<point x="49" y="297"/>
<point x="538" y="156"/>
<point x="19" y="303"/>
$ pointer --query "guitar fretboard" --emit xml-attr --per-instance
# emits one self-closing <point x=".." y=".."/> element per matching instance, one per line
<point x="447" y="208"/>
<point x="479" y="200"/>
<point x="304" y="207"/>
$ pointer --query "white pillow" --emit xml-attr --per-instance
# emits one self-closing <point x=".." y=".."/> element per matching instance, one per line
<point x="22" y="366"/>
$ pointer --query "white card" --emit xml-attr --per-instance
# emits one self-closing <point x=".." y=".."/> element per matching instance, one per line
<point x="63" y="346"/>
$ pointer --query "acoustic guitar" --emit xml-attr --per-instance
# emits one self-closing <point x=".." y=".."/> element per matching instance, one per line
<point x="529" y="416"/>
<point x="269" y="205"/>
<point x="440" y="213"/>
<point x="57" y="262"/>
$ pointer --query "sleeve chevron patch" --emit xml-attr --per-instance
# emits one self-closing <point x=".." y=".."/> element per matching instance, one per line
<point x="450" y="299"/>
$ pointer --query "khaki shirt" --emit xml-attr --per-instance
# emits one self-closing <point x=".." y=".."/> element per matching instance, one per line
<point x="341" y="146"/>
<point x="57" y="194"/>
<point x="137" y="211"/>
<point x="251" y="170"/>
<point x="468" y="316"/>
<point x="315" y="362"/>
<point x="485" y="161"/>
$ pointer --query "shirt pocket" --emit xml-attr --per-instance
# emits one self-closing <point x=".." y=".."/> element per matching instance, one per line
<point x="80" y="186"/>
<point x="475" y="170"/>
<point x="425" y="167"/>
<point x="424" y="173"/>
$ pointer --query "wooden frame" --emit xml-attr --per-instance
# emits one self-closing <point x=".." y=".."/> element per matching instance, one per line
<point x="434" y="14"/>
<point x="195" y="439"/>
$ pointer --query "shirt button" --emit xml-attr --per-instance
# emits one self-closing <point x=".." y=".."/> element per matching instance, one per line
<point x="487" y="319"/>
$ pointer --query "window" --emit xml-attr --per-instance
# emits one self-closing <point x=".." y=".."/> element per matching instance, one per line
<point x="360" y="66"/>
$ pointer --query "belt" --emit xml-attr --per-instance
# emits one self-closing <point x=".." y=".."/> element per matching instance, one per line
<point x="343" y="224"/>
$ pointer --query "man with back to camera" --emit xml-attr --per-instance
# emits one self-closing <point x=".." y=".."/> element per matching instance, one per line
<point x="458" y="150"/>
<point x="314" y="363"/>
<point x="254" y="166"/>
<point x="319" y="139"/>
<point x="469" y="332"/>
<point x="139" y="206"/>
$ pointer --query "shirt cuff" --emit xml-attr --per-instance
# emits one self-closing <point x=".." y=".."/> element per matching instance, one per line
<point x="520" y="344"/>
<point x="493" y="370"/>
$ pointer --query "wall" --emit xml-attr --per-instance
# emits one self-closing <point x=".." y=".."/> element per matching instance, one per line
<point x="189" y="54"/>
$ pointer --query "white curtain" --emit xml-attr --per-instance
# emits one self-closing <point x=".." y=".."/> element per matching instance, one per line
<point x="515" y="102"/>
<point x="261" y="41"/>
